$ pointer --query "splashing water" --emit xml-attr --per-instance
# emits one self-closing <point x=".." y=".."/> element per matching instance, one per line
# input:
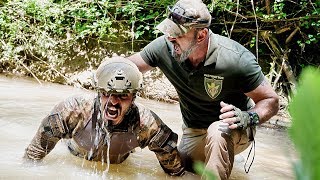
<point x="103" y="132"/>
<point x="106" y="139"/>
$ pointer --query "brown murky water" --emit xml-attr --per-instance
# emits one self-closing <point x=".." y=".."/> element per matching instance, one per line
<point x="24" y="102"/>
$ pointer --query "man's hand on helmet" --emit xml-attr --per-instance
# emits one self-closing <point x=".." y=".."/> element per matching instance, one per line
<point x="236" y="118"/>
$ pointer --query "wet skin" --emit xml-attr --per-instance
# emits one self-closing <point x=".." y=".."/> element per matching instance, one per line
<point x="115" y="106"/>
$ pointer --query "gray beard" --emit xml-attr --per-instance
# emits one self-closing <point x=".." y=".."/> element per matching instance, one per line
<point x="180" y="58"/>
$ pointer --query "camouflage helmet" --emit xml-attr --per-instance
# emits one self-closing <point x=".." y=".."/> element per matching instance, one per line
<point x="118" y="75"/>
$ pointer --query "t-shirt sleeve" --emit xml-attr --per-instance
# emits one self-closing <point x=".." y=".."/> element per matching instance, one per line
<point x="151" y="53"/>
<point x="252" y="75"/>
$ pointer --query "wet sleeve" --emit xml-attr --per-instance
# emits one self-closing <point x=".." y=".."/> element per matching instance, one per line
<point x="53" y="127"/>
<point x="251" y="75"/>
<point x="162" y="141"/>
<point x="151" y="53"/>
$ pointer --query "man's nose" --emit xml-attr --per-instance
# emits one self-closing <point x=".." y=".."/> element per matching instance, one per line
<point x="114" y="99"/>
<point x="170" y="38"/>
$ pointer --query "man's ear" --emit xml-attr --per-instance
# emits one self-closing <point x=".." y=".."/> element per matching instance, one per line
<point x="202" y="35"/>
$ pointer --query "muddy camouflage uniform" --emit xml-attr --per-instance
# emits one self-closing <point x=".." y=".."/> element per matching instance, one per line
<point x="72" y="120"/>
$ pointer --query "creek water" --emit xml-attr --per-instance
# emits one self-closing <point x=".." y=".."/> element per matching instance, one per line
<point x="24" y="102"/>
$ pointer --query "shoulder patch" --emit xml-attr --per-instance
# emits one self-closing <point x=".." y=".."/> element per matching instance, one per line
<point x="213" y="85"/>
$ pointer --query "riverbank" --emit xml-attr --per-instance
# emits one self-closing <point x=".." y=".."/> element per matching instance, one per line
<point x="157" y="87"/>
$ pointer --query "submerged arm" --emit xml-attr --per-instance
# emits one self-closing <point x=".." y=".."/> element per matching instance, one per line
<point x="49" y="133"/>
<point x="162" y="141"/>
<point x="57" y="125"/>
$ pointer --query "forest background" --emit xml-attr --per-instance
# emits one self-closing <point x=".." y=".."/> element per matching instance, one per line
<point x="64" y="41"/>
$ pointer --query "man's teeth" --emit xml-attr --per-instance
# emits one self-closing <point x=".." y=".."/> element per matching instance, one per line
<point x="112" y="112"/>
<point x="112" y="108"/>
<point x="176" y="48"/>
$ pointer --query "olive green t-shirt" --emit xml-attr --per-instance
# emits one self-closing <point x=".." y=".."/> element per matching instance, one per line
<point x="229" y="71"/>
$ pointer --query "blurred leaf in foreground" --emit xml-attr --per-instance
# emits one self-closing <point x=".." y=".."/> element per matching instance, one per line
<point x="200" y="169"/>
<point x="304" y="132"/>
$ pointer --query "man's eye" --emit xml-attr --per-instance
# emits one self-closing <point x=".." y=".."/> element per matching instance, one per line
<point x="123" y="96"/>
<point x="104" y="93"/>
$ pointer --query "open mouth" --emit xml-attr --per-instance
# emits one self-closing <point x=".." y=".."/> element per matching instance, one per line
<point x="112" y="112"/>
<point x="176" y="48"/>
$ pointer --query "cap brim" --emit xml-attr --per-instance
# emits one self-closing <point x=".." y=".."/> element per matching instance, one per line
<point x="170" y="28"/>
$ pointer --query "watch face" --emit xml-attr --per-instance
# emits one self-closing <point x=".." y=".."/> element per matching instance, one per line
<point x="254" y="117"/>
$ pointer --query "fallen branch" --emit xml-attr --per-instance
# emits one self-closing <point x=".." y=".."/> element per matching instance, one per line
<point x="289" y="73"/>
<point x="281" y="55"/>
<point x="235" y="19"/>
<point x="278" y="75"/>
<point x="289" y="38"/>
<point x="18" y="61"/>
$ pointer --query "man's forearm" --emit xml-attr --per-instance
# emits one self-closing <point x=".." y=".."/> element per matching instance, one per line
<point x="40" y="146"/>
<point x="266" y="108"/>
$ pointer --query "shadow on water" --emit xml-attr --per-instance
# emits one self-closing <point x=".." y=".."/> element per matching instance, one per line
<point x="23" y="104"/>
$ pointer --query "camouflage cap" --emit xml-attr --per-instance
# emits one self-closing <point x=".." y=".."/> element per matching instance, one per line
<point x="183" y="16"/>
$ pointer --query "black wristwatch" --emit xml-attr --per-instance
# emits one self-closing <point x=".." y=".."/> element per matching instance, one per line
<point x="254" y="118"/>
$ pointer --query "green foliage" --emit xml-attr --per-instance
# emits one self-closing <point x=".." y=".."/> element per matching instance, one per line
<point x="68" y="36"/>
<point x="200" y="169"/>
<point x="49" y="36"/>
<point x="221" y="5"/>
<point x="306" y="13"/>
<point x="304" y="132"/>
<point x="278" y="7"/>
<point x="275" y="31"/>
<point x="253" y="42"/>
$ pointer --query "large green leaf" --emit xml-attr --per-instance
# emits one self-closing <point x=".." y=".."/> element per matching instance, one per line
<point x="304" y="131"/>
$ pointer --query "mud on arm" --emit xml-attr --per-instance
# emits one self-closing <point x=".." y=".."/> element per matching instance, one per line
<point x="162" y="141"/>
<point x="51" y="130"/>
<point x="60" y="123"/>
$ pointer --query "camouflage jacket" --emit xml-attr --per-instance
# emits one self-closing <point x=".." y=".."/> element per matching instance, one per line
<point x="72" y="120"/>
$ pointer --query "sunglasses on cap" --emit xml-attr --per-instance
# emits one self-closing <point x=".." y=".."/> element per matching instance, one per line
<point x="180" y="19"/>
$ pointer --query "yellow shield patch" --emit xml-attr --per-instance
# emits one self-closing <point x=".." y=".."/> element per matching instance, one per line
<point x="213" y="85"/>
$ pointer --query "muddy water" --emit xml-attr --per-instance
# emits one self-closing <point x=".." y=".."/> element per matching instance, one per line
<point x="24" y="102"/>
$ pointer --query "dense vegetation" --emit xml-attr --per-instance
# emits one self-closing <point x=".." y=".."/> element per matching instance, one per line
<point x="54" y="39"/>
<point x="283" y="34"/>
